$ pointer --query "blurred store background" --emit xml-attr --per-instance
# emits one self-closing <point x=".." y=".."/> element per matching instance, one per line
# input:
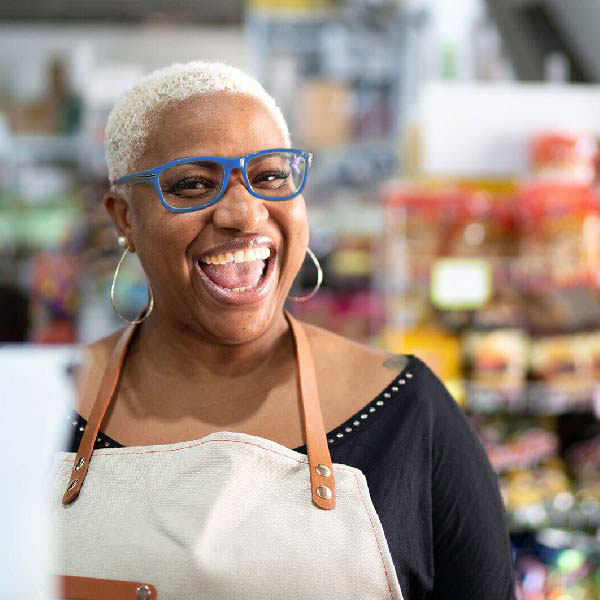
<point x="453" y="205"/>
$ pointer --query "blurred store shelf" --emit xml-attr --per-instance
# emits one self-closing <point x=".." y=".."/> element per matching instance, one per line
<point x="42" y="148"/>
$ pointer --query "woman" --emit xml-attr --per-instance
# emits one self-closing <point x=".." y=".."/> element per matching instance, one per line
<point x="396" y="500"/>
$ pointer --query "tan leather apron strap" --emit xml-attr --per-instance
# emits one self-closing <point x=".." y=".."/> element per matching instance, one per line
<point x="319" y="458"/>
<point x="321" y="469"/>
<point x="106" y="391"/>
<point x="72" y="587"/>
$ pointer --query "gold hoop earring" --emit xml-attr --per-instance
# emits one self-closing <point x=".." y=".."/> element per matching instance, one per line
<point x="319" y="279"/>
<point x="150" y="305"/>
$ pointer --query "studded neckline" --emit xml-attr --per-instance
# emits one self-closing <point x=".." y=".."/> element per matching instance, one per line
<point x="358" y="421"/>
<point x="336" y="436"/>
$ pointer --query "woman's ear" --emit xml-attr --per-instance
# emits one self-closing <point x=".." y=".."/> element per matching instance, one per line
<point x="119" y="210"/>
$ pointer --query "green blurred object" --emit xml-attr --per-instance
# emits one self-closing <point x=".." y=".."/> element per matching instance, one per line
<point x="570" y="560"/>
<point x="449" y="62"/>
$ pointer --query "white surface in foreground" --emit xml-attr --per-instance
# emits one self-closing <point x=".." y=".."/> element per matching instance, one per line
<point x="36" y="393"/>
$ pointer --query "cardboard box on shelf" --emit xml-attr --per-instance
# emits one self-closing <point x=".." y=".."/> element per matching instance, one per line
<point x="324" y="113"/>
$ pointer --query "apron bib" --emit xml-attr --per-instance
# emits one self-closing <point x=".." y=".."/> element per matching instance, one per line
<point x="229" y="516"/>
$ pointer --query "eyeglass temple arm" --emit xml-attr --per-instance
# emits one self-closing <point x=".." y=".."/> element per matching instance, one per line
<point x="135" y="178"/>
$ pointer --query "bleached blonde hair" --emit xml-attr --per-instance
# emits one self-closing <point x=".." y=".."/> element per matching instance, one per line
<point x="130" y="121"/>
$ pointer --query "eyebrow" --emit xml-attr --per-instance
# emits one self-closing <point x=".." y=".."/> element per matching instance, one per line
<point x="261" y="157"/>
<point x="200" y="163"/>
<point x="257" y="159"/>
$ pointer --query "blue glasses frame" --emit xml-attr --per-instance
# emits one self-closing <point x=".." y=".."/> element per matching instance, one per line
<point x="152" y="176"/>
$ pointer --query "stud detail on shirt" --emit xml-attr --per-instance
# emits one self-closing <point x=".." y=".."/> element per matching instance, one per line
<point x="324" y="492"/>
<point x="143" y="592"/>
<point x="371" y="409"/>
<point x="323" y="470"/>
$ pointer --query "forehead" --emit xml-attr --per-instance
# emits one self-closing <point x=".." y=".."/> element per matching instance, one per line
<point x="215" y="124"/>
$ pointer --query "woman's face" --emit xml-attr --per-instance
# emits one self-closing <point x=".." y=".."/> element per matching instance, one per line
<point x="170" y="244"/>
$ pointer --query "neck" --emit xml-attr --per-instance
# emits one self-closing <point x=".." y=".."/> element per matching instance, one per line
<point x="169" y="353"/>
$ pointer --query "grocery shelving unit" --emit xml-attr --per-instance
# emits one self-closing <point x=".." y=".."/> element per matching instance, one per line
<point x="343" y="74"/>
<point x="522" y="359"/>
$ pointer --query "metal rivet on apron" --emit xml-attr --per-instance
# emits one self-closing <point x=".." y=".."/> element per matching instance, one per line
<point x="143" y="592"/>
<point x="401" y="381"/>
<point x="348" y="429"/>
<point x="80" y="463"/>
<point x="323" y="470"/>
<point x="387" y="395"/>
<point x="72" y="485"/>
<point x="409" y="375"/>
<point x="340" y="435"/>
<point x="394" y="389"/>
<point x="372" y="409"/>
<point x="356" y="423"/>
<point x="330" y="441"/>
<point x="379" y="402"/>
<point x="324" y="492"/>
<point x="363" y="416"/>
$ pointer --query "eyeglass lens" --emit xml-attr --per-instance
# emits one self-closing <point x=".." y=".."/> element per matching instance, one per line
<point x="274" y="175"/>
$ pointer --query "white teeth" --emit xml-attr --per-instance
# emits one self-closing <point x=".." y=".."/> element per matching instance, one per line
<point x="243" y="289"/>
<point x="238" y="256"/>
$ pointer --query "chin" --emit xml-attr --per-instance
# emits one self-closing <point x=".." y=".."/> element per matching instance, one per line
<point x="235" y="325"/>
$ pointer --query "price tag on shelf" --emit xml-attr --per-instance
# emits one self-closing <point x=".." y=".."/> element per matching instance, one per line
<point x="460" y="283"/>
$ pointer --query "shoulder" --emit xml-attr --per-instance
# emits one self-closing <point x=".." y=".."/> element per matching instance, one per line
<point x="102" y="348"/>
<point x="335" y="350"/>
<point x="95" y="357"/>
<point x="352" y="368"/>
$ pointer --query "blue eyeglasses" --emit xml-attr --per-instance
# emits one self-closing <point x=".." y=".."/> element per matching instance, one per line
<point x="189" y="184"/>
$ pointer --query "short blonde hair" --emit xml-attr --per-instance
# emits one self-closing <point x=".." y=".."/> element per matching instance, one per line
<point x="130" y="120"/>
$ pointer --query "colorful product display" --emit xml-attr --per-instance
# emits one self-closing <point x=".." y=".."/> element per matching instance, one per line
<point x="557" y="565"/>
<point x="496" y="285"/>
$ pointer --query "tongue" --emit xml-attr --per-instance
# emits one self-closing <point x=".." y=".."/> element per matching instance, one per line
<point x="234" y="275"/>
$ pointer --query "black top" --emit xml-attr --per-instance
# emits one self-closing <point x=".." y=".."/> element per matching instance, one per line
<point x="431" y="484"/>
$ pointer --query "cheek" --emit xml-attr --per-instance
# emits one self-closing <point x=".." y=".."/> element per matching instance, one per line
<point x="297" y="234"/>
<point x="161" y="240"/>
<point x="297" y="220"/>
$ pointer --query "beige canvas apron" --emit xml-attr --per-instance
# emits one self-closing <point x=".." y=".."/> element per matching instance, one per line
<point x="227" y="516"/>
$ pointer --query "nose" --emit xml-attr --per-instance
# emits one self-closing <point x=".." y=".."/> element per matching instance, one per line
<point x="238" y="208"/>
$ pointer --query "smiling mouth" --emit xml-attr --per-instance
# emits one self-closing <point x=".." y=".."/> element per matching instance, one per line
<point x="236" y="276"/>
<point x="238" y="283"/>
